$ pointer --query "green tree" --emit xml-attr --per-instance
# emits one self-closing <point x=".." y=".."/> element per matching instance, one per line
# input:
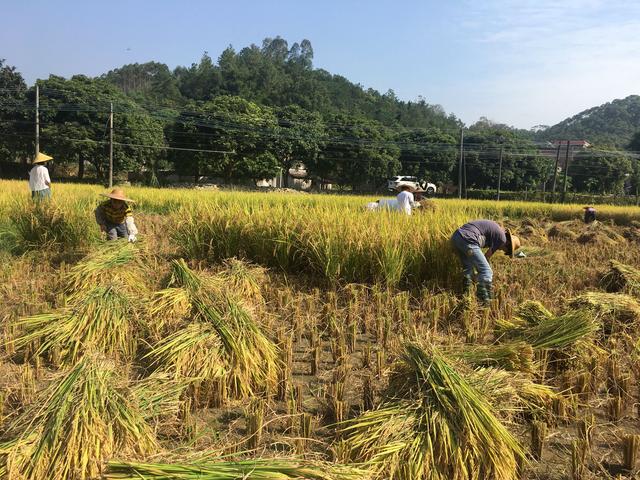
<point x="359" y="152"/>
<point x="16" y="117"/>
<point x="244" y="129"/>
<point x="428" y="154"/>
<point x="74" y="122"/>
<point x="301" y="137"/>
<point x="600" y="171"/>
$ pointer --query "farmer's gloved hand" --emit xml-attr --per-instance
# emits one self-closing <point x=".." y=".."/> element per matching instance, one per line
<point x="132" y="238"/>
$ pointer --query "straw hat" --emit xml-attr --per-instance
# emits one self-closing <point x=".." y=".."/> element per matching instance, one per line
<point x="411" y="188"/>
<point x="587" y="207"/>
<point x="41" y="158"/>
<point x="117" y="194"/>
<point x="515" y="242"/>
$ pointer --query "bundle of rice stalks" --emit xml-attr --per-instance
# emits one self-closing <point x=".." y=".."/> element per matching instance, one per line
<point x="599" y="233"/>
<point x="511" y="392"/>
<point x="102" y="319"/>
<point x="516" y="356"/>
<point x="219" y="337"/>
<point x="222" y="469"/>
<point x="621" y="278"/>
<point x="436" y="426"/>
<point x="571" y="329"/>
<point x="109" y="261"/>
<point x="617" y="311"/>
<point x="530" y="312"/>
<point x="85" y="417"/>
<point x="562" y="231"/>
<point x="244" y="279"/>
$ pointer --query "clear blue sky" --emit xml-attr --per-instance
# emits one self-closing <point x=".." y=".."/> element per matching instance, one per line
<point x="521" y="62"/>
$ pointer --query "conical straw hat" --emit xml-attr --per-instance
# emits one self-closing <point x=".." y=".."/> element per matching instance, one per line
<point x="41" y="158"/>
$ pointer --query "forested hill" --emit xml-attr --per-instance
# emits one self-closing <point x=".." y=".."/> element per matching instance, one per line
<point x="276" y="75"/>
<point x="612" y="124"/>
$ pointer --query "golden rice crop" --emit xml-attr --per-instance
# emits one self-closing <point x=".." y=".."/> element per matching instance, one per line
<point x="224" y="469"/>
<point x="615" y="310"/>
<point x="435" y="425"/>
<point x="218" y="337"/>
<point x="102" y="319"/>
<point x="621" y="278"/>
<point x="81" y="419"/>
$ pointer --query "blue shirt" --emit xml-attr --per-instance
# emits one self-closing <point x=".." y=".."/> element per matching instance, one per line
<point x="484" y="233"/>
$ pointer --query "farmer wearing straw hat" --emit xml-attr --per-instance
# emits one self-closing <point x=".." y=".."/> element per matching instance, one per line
<point x="115" y="216"/>
<point x="469" y="240"/>
<point x="39" y="180"/>
<point x="405" y="198"/>
<point x="589" y="214"/>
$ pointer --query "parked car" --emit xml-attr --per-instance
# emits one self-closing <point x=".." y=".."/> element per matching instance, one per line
<point x="399" y="180"/>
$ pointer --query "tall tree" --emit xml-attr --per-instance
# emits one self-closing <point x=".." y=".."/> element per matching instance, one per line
<point x="16" y="115"/>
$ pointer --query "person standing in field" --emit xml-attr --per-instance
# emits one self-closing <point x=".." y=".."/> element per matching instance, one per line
<point x="39" y="180"/>
<point x="115" y="216"/>
<point x="405" y="199"/>
<point x="469" y="240"/>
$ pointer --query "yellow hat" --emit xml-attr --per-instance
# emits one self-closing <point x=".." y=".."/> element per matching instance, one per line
<point x="117" y="194"/>
<point x="41" y="158"/>
<point x="514" y="243"/>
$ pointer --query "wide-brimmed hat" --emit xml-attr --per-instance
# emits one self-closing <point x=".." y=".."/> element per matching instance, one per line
<point x="117" y="194"/>
<point x="514" y="242"/>
<point x="411" y="188"/>
<point x="588" y="207"/>
<point x="41" y="158"/>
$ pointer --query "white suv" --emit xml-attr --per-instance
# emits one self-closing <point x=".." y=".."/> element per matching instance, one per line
<point x="395" y="182"/>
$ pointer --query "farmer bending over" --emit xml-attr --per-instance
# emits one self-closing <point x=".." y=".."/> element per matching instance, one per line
<point x="115" y="217"/>
<point x="469" y="240"/>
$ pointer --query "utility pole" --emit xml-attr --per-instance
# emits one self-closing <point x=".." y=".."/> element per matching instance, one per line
<point x="37" y="119"/>
<point x="500" y="172"/>
<point x="566" y="171"/>
<point x="464" y="172"/>
<point x="460" y="163"/>
<point x="111" y="146"/>
<point x="555" y="174"/>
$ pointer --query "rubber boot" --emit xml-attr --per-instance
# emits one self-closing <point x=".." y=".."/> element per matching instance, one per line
<point x="484" y="292"/>
<point x="467" y="283"/>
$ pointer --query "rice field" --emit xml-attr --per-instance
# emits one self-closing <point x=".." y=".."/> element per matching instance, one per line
<point x="294" y="336"/>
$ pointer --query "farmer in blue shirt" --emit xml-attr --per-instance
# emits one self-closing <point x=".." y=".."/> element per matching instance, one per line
<point x="469" y="240"/>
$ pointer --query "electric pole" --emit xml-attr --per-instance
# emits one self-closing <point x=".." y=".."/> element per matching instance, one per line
<point x="555" y="174"/>
<point x="111" y="146"/>
<point x="37" y="119"/>
<point x="566" y="171"/>
<point x="460" y="163"/>
<point x="500" y="171"/>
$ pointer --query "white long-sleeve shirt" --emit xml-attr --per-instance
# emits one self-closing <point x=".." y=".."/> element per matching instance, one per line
<point x="39" y="178"/>
<point x="405" y="199"/>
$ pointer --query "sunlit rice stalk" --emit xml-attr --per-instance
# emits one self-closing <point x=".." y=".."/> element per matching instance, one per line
<point x="613" y="309"/>
<point x="222" y="339"/>
<point x="223" y="469"/>
<point x="102" y="319"/>
<point x="621" y="278"/>
<point x="435" y="425"/>
<point x="85" y="417"/>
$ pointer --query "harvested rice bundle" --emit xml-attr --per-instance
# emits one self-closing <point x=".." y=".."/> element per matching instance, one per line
<point x="530" y="312"/>
<point x="102" y="319"/>
<point x="517" y="356"/>
<point x="223" y="469"/>
<point x="219" y="337"/>
<point x="435" y="426"/>
<point x="79" y="421"/>
<point x="567" y="330"/>
<point x="111" y="260"/>
<point x="244" y="279"/>
<point x="615" y="310"/>
<point x="511" y="392"/>
<point x="621" y="278"/>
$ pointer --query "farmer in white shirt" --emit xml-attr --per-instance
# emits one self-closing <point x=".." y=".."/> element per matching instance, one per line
<point x="405" y="199"/>
<point x="39" y="180"/>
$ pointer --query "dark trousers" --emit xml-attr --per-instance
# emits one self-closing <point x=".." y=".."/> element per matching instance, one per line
<point x="116" y="231"/>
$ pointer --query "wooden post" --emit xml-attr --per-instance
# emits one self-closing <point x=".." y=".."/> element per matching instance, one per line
<point x="37" y="119"/>
<point x="566" y="172"/>
<point x="555" y="175"/>
<point x="111" y="146"/>
<point x="460" y="164"/>
<point x="500" y="172"/>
